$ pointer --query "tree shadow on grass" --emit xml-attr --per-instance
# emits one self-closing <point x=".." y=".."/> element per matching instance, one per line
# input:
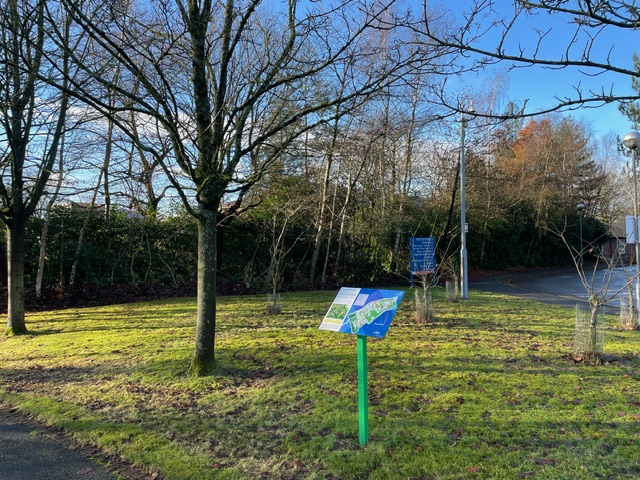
<point x="326" y="379"/>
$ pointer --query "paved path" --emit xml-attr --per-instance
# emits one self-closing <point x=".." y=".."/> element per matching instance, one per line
<point x="558" y="286"/>
<point x="31" y="452"/>
<point x="536" y="286"/>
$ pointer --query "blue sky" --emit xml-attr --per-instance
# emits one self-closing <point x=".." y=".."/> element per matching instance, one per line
<point x="539" y="85"/>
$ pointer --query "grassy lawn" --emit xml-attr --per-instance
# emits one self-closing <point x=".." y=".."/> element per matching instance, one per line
<point x="489" y="390"/>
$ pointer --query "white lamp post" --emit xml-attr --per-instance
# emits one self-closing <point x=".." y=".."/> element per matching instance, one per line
<point x="632" y="140"/>
<point x="464" y="276"/>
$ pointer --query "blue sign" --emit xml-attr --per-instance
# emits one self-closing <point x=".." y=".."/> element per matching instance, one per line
<point x="362" y="311"/>
<point x="423" y="255"/>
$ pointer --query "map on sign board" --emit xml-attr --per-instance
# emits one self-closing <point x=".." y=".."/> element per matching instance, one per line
<point x="362" y="311"/>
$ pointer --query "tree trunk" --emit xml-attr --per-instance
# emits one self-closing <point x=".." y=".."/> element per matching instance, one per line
<point x="107" y="190"/>
<point x="351" y="183"/>
<point x="594" y="352"/>
<point x="444" y="239"/>
<point x="406" y="181"/>
<point x="203" y="358"/>
<point x="330" y="229"/>
<point x="83" y="231"/>
<point x="317" y="243"/>
<point x="47" y="221"/>
<point x="44" y="237"/>
<point x="15" y="278"/>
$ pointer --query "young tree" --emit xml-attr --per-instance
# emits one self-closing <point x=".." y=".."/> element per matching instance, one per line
<point x="286" y="212"/>
<point x="601" y="287"/>
<point x="221" y="80"/>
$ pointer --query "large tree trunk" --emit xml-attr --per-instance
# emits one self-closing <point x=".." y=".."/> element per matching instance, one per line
<point x="203" y="358"/>
<point x="15" y="278"/>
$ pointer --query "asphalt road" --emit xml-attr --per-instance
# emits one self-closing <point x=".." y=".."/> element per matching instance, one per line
<point x="560" y="287"/>
<point x="31" y="452"/>
<point x="531" y="286"/>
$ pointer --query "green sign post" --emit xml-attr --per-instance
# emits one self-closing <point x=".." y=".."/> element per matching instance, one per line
<point x="363" y="390"/>
<point x="365" y="313"/>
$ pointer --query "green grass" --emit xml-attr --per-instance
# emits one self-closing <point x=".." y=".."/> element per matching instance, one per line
<point x="486" y="391"/>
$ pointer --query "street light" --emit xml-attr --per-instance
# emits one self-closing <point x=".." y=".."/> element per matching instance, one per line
<point x="463" y="207"/>
<point x="632" y="140"/>
<point x="580" y="207"/>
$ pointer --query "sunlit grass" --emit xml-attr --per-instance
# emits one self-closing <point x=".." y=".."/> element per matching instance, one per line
<point x="486" y="391"/>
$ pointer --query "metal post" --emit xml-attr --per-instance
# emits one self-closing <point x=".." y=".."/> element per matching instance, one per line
<point x="581" y="243"/>
<point x="632" y="140"/>
<point x="634" y="161"/>
<point x="580" y="210"/>
<point x="463" y="220"/>
<point x="363" y="390"/>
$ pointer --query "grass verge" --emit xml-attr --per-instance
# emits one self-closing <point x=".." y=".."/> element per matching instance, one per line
<point x="486" y="391"/>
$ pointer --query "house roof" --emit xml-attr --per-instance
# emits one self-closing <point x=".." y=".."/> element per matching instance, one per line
<point x="618" y="229"/>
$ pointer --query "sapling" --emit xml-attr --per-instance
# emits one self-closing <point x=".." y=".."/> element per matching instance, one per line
<point x="599" y="293"/>
<point x="426" y="281"/>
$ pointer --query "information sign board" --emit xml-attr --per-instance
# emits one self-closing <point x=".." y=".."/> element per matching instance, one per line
<point x="423" y="255"/>
<point x="362" y="311"/>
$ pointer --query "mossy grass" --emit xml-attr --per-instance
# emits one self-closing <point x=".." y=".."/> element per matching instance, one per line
<point x="13" y="331"/>
<point x="201" y="366"/>
<point x="489" y="389"/>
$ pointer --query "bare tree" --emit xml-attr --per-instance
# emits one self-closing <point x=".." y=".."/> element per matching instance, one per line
<point x="598" y="284"/>
<point x="221" y="80"/>
<point x="282" y="214"/>
<point x="490" y="33"/>
<point x="33" y="118"/>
